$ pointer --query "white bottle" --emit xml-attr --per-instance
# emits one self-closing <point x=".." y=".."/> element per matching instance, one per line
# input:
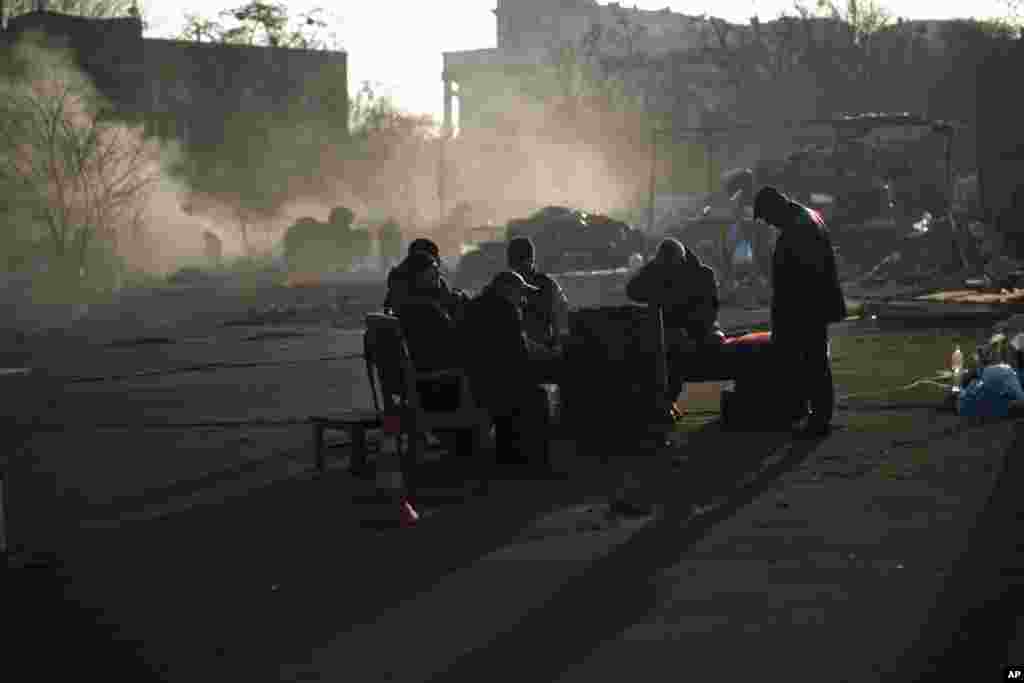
<point x="957" y="365"/>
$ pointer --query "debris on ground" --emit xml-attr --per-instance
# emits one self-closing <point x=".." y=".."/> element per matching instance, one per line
<point x="922" y="226"/>
<point x="929" y="251"/>
<point x="1007" y="340"/>
<point x="976" y="296"/>
<point x="570" y="239"/>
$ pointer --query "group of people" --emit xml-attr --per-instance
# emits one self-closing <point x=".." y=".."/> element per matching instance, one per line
<point x="511" y="338"/>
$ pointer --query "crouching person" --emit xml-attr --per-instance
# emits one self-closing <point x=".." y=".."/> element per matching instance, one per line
<point x="506" y="369"/>
<point x="687" y="292"/>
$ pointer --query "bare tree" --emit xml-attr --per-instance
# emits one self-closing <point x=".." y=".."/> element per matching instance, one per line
<point x="263" y="23"/>
<point x="83" y="177"/>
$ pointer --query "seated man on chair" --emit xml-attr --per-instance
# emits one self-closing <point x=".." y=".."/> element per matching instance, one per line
<point x="430" y="334"/>
<point x="506" y="367"/>
<point x="687" y="291"/>
<point x="428" y="329"/>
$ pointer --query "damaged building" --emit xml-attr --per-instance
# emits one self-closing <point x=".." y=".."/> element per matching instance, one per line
<point x="695" y="71"/>
<point x="183" y="90"/>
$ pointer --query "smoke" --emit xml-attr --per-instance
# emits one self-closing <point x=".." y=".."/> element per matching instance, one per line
<point x="171" y="234"/>
<point x="91" y="184"/>
<point x="541" y="155"/>
<point x="538" y="154"/>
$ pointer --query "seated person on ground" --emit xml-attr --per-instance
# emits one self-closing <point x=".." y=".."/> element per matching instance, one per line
<point x="546" y="314"/>
<point x="452" y="300"/>
<point x="688" y="293"/>
<point x="505" y="366"/>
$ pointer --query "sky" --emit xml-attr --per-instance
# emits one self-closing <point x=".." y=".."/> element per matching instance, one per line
<point x="397" y="45"/>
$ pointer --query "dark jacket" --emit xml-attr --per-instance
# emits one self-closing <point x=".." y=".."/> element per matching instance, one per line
<point x="496" y="350"/>
<point x="688" y="293"/>
<point x="398" y="280"/>
<point x="805" y="282"/>
<point x="539" y="316"/>
<point x="430" y="334"/>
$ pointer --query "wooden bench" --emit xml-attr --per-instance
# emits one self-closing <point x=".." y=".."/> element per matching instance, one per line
<point x="354" y="422"/>
<point x="393" y="383"/>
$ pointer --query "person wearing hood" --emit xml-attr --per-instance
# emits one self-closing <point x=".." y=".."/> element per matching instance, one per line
<point x="806" y="299"/>
<point x="428" y="328"/>
<point x="687" y="291"/>
<point x="398" y="281"/>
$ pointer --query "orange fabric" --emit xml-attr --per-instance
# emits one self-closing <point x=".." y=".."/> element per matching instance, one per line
<point x="752" y="338"/>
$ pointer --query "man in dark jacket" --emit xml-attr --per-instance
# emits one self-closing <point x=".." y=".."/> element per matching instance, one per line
<point x="428" y="329"/>
<point x="687" y="291"/>
<point x="546" y="313"/>
<point x="452" y="300"/>
<point x="806" y="298"/>
<point x="430" y="334"/>
<point x="505" y="366"/>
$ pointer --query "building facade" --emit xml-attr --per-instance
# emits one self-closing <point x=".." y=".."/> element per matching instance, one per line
<point x="530" y="32"/>
<point x="186" y="91"/>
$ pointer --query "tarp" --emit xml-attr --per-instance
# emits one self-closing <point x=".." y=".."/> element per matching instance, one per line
<point x="990" y="394"/>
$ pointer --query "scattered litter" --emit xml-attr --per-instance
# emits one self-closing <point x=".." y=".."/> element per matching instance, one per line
<point x="922" y="226"/>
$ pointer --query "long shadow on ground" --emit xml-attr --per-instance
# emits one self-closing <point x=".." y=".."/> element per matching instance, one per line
<point x="620" y="583"/>
<point x="231" y="591"/>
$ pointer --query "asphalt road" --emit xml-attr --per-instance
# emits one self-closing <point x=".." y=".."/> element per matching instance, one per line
<point x="133" y="414"/>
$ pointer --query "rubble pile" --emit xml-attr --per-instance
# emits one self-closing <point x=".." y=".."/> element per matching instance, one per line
<point x="569" y="239"/>
<point x="928" y="250"/>
<point x="999" y="268"/>
<point x="1006" y="341"/>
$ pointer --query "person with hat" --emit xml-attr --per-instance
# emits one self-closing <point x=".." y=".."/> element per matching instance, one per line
<point x="505" y="366"/>
<point x="452" y="300"/>
<point x="546" y="313"/>
<point x="806" y="298"/>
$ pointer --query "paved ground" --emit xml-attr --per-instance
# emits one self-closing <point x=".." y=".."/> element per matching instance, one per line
<point x="791" y="554"/>
<point x="133" y="423"/>
<point x="210" y="560"/>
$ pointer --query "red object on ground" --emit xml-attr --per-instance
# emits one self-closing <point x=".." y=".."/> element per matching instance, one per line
<point x="752" y="338"/>
<point x="392" y="424"/>
<point x="408" y="515"/>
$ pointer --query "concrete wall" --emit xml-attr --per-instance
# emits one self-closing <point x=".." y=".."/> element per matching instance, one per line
<point x="185" y="90"/>
<point x="199" y="84"/>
